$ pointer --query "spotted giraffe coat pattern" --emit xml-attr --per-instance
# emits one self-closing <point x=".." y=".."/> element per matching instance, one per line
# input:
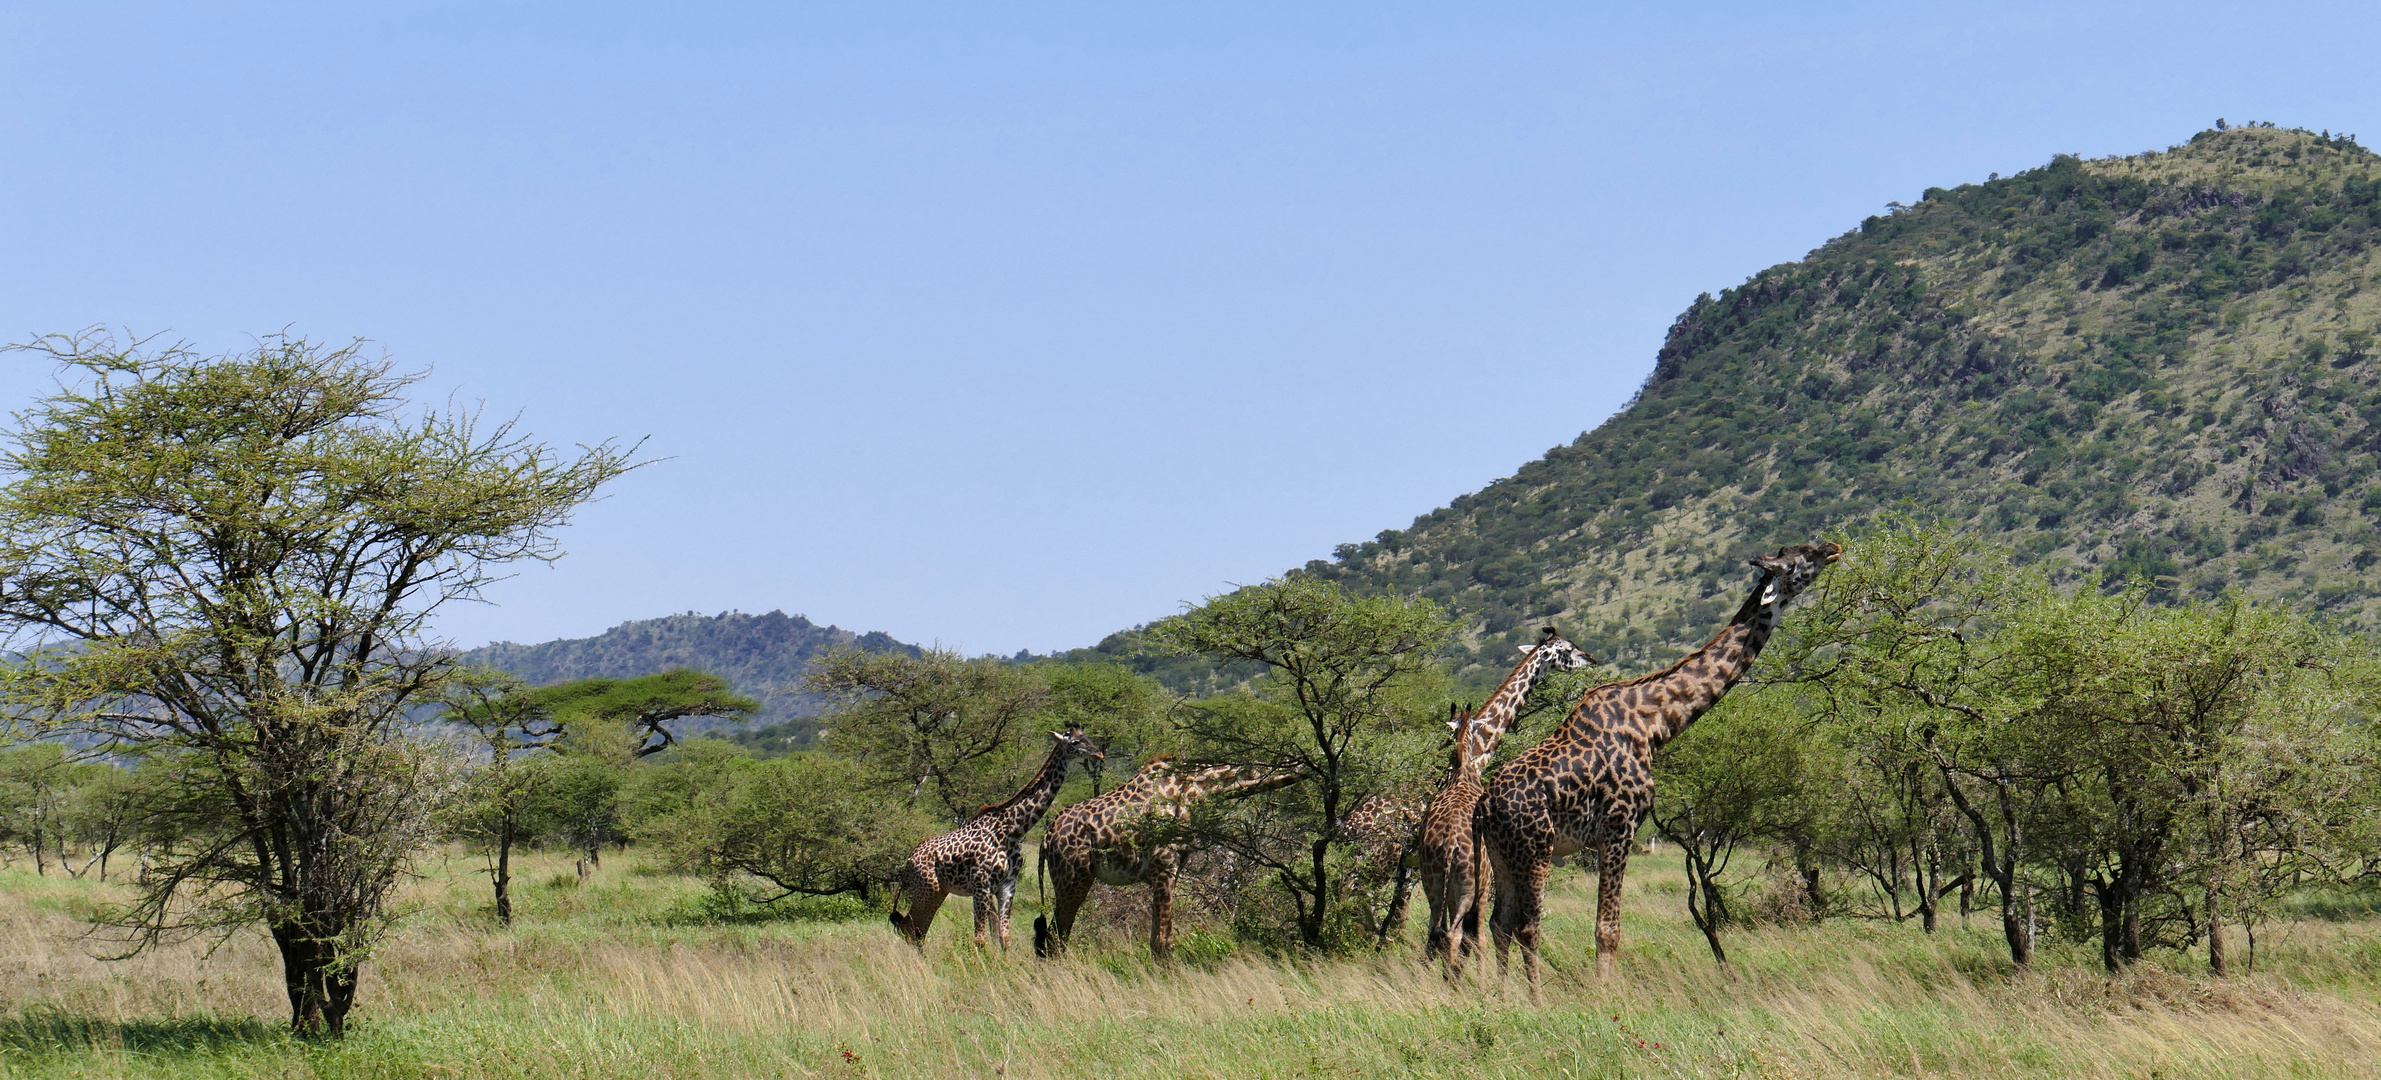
<point x="1590" y="784"/>
<point x="1447" y="844"/>
<point x="983" y="858"/>
<point x="1127" y="837"/>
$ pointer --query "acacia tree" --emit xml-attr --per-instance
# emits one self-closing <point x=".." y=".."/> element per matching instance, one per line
<point x="225" y="566"/>
<point x="497" y="710"/>
<point x="601" y="725"/>
<point x="1349" y="697"/>
<point x="794" y="824"/>
<point x="1738" y="777"/>
<point x="932" y="726"/>
<point x="1908" y="656"/>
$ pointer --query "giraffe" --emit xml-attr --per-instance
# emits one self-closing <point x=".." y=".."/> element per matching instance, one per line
<point x="1117" y="838"/>
<point x="1448" y="841"/>
<point x="983" y="857"/>
<point x="1590" y="783"/>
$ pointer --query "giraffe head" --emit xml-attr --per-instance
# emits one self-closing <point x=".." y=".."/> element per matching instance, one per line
<point x="1557" y="653"/>
<point x="1785" y="574"/>
<point x="1072" y="744"/>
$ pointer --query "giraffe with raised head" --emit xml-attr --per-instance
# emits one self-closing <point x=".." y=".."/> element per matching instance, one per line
<point x="1120" y="839"/>
<point x="983" y="858"/>
<point x="1448" y="843"/>
<point x="1590" y="784"/>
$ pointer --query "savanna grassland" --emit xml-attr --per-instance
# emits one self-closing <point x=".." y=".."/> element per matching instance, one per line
<point x="639" y="974"/>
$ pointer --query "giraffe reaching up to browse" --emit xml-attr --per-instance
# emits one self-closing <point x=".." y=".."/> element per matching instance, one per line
<point x="982" y="858"/>
<point x="1448" y="842"/>
<point x="1119" y="839"/>
<point x="1590" y="784"/>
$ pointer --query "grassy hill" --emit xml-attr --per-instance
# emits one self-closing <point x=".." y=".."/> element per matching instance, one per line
<point x="763" y="656"/>
<point x="2154" y="365"/>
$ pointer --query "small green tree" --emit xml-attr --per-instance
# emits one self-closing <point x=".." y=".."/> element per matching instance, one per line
<point x="243" y="553"/>
<point x="1737" y="778"/>
<point x="951" y="732"/>
<point x="107" y="812"/>
<point x="37" y="785"/>
<point x="1909" y="642"/>
<point x="1350" y="696"/>
<point x="601" y="725"/>
<point x="509" y="730"/>
<point x="796" y="824"/>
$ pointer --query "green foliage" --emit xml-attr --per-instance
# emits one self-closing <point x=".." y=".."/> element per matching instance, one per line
<point x="224" y="567"/>
<point x="1351" y="696"/>
<point x="2134" y="773"/>
<point x="795" y="824"/>
<point x="644" y="710"/>
<point x="1741" y="776"/>
<point x="955" y="734"/>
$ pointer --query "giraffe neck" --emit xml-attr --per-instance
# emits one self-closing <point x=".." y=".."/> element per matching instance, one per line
<point x="1669" y="700"/>
<point x="1011" y="819"/>
<point x="1489" y="725"/>
<point x="1235" y="784"/>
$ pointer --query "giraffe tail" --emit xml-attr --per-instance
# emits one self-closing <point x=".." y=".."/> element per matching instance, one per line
<point x="1041" y="858"/>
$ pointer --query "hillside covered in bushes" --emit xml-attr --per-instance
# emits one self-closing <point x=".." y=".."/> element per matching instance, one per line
<point x="2157" y="365"/>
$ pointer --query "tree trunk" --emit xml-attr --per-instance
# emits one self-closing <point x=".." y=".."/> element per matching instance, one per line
<point x="2111" y="897"/>
<point x="2000" y="864"/>
<point x="1813" y="890"/>
<point x="2215" y="930"/>
<point x="1310" y="927"/>
<point x="1929" y="878"/>
<point x="504" y="871"/>
<point x="1704" y="902"/>
<point x="321" y="990"/>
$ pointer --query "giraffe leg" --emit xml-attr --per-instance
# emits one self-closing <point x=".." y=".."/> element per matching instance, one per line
<point x="1447" y="923"/>
<point x="1069" y="888"/>
<point x="1001" y="901"/>
<point x="1434" y="881"/>
<point x="1529" y="895"/>
<point x="983" y="916"/>
<point x="1161" y="914"/>
<point x="1465" y="897"/>
<point x="1501" y="924"/>
<point x="1611" y="863"/>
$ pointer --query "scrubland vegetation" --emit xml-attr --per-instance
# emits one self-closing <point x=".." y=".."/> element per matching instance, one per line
<point x="635" y="973"/>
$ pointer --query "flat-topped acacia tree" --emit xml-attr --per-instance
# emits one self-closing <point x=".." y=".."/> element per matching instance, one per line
<point x="225" y="566"/>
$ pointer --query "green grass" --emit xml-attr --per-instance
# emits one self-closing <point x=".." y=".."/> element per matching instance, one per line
<point x="625" y="976"/>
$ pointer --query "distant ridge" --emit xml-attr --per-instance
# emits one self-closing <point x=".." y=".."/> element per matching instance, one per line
<point x="761" y="656"/>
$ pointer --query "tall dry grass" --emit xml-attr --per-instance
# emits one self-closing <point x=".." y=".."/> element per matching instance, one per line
<point x="623" y="978"/>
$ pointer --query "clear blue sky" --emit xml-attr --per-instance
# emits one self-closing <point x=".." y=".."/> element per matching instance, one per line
<point x="1006" y="326"/>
